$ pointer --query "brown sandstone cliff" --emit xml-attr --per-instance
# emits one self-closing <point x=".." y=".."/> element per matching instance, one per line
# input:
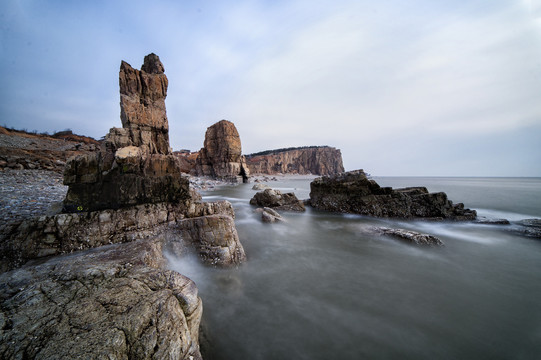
<point x="317" y="160"/>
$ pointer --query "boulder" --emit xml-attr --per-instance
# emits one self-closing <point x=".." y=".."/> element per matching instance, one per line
<point x="221" y="157"/>
<point x="260" y="186"/>
<point x="215" y="239"/>
<point x="353" y="192"/>
<point x="269" y="215"/>
<point x="409" y="236"/>
<point x="116" y="302"/>
<point x="135" y="164"/>
<point x="277" y="200"/>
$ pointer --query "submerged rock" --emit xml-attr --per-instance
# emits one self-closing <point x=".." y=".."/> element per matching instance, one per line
<point x="488" y="221"/>
<point x="409" y="236"/>
<point x="353" y="192"/>
<point x="260" y="186"/>
<point x="277" y="200"/>
<point x="221" y="156"/>
<point x="116" y="302"/>
<point x="529" y="227"/>
<point x="268" y="215"/>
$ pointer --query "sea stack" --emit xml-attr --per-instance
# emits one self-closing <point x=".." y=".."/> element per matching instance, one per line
<point x="221" y="156"/>
<point x="135" y="164"/>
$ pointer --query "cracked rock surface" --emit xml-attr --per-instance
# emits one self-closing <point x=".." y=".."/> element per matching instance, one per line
<point x="115" y="302"/>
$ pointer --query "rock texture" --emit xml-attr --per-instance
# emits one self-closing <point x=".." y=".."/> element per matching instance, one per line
<point x="412" y="237"/>
<point x="221" y="157"/>
<point x="277" y="200"/>
<point x="269" y="215"/>
<point x="116" y="302"/>
<point x="316" y="160"/>
<point x="68" y="232"/>
<point x="215" y="239"/>
<point x="353" y="192"/>
<point x="135" y="164"/>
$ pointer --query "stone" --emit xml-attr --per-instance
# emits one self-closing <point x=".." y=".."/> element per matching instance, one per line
<point x="316" y="160"/>
<point x="68" y="232"/>
<point x="277" y="200"/>
<point x="489" y="221"/>
<point x="116" y="302"/>
<point x="353" y="192"/>
<point x="528" y="227"/>
<point x="215" y="239"/>
<point x="412" y="237"/>
<point x="221" y="156"/>
<point x="260" y="186"/>
<point x="135" y="164"/>
<point x="269" y="215"/>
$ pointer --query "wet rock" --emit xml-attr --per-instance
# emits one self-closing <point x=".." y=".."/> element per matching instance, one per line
<point x="488" y="221"/>
<point x="268" y="215"/>
<point x="215" y="239"/>
<point x="221" y="157"/>
<point x="409" y="236"/>
<point x="353" y="192"/>
<point x="113" y="302"/>
<point x="277" y="200"/>
<point x="317" y="160"/>
<point x="529" y="227"/>
<point x="260" y="186"/>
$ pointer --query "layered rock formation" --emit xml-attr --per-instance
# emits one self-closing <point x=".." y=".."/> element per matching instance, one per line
<point x="316" y="160"/>
<point x="221" y="157"/>
<point x="116" y="302"/>
<point x="277" y="200"/>
<point x="412" y="237"/>
<point x="353" y="192"/>
<point x="135" y="164"/>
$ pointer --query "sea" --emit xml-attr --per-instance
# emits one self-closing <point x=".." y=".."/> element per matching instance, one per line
<point x="320" y="286"/>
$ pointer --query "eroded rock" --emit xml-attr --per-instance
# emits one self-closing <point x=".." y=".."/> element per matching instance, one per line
<point x="116" y="302"/>
<point x="135" y="164"/>
<point x="353" y="192"/>
<point x="317" y="160"/>
<point x="409" y="236"/>
<point x="269" y="215"/>
<point x="277" y="200"/>
<point x="221" y="157"/>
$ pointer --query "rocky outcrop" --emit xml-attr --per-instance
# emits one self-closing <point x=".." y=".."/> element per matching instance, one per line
<point x="412" y="237"/>
<point x="135" y="164"/>
<point x="277" y="200"/>
<point x="65" y="233"/>
<point x="215" y="239"/>
<point x="221" y="157"/>
<point x="316" y="160"/>
<point x="116" y="302"/>
<point x="353" y="192"/>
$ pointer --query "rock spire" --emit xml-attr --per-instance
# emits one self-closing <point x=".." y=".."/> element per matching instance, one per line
<point x="221" y="157"/>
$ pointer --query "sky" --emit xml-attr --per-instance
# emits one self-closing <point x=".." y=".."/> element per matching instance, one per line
<point x="402" y="88"/>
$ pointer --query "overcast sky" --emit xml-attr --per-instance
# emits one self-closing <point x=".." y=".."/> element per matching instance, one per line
<point x="443" y="88"/>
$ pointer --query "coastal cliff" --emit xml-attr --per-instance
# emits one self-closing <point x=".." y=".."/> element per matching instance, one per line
<point x="317" y="160"/>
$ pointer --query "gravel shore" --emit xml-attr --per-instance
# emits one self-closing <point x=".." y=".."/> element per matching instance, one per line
<point x="29" y="193"/>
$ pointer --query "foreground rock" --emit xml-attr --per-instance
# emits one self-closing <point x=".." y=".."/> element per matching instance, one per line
<point x="353" y="192"/>
<point x="529" y="227"/>
<point x="277" y="200"/>
<point x="317" y="160"/>
<point x="116" y="302"/>
<point x="221" y="157"/>
<point x="64" y="233"/>
<point x="409" y="236"/>
<point x="135" y="164"/>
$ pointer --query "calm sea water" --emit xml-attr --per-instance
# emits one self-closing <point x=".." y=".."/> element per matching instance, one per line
<point x="320" y="287"/>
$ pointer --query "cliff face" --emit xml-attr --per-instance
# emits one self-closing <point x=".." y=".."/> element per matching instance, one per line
<point x="317" y="160"/>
